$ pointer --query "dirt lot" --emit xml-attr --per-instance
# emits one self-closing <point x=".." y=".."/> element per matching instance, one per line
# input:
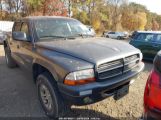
<point x="18" y="98"/>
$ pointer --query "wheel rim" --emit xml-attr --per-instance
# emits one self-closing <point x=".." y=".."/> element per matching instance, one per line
<point x="46" y="97"/>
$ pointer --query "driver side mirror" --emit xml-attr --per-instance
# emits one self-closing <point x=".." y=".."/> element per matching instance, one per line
<point x="21" y="36"/>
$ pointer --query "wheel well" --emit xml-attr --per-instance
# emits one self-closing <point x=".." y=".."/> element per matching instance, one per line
<point x="39" y="69"/>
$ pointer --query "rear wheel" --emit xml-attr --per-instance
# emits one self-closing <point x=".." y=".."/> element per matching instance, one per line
<point x="49" y="96"/>
<point x="9" y="60"/>
<point x="119" y="38"/>
<point x="107" y="36"/>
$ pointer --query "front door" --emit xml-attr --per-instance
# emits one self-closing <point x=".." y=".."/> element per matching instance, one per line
<point x="25" y="48"/>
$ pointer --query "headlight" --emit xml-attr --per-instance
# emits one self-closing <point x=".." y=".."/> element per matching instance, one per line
<point x="80" y="77"/>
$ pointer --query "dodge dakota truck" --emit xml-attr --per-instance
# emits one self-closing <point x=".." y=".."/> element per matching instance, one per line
<point x="70" y="66"/>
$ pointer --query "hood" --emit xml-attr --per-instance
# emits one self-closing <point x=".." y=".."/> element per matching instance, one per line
<point x="95" y="50"/>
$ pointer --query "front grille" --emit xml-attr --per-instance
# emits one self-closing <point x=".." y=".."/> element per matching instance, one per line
<point x="110" y="69"/>
<point x="118" y="67"/>
<point x="110" y="65"/>
<point x="131" y="62"/>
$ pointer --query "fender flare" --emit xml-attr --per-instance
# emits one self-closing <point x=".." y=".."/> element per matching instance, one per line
<point x="48" y="66"/>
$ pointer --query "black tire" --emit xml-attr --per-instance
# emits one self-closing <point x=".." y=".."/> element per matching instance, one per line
<point x="58" y="108"/>
<point x="107" y="36"/>
<point x="9" y="60"/>
<point x="118" y="38"/>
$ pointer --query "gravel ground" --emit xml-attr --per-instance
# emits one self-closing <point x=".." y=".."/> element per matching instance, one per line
<point x="19" y="98"/>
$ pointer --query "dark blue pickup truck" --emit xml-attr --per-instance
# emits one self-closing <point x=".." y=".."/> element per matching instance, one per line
<point x="69" y="65"/>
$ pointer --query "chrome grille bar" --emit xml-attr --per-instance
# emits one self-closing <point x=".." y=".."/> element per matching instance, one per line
<point x="117" y="67"/>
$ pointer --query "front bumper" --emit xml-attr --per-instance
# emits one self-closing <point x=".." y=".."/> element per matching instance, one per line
<point x="93" y="92"/>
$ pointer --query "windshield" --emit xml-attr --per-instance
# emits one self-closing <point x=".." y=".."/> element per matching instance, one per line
<point x="60" y="28"/>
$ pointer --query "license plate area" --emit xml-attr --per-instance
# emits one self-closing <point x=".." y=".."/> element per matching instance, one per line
<point x="121" y="92"/>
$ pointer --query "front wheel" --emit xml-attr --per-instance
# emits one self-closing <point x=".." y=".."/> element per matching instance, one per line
<point x="118" y="38"/>
<point x="107" y="36"/>
<point x="49" y="96"/>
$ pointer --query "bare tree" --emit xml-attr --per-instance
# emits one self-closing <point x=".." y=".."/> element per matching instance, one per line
<point x="116" y="11"/>
<point x="1" y="9"/>
<point x="18" y="4"/>
<point x="9" y="5"/>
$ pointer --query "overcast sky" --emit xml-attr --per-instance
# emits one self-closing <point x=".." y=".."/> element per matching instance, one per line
<point x="152" y="5"/>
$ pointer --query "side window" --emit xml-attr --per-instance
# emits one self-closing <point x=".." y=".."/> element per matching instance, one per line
<point x="157" y="38"/>
<point x="24" y="28"/>
<point x="149" y="38"/>
<point x="111" y="32"/>
<point x="17" y="27"/>
<point x="140" y="37"/>
<point x="145" y="37"/>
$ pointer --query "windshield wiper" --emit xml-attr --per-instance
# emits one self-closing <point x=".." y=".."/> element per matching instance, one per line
<point x="50" y="36"/>
<point x="82" y="35"/>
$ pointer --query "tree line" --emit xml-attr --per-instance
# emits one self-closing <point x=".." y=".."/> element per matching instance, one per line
<point x="102" y="15"/>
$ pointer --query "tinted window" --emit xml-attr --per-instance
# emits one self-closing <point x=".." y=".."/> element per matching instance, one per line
<point x="17" y="27"/>
<point x="148" y="37"/>
<point x="158" y="38"/>
<point x="111" y="32"/>
<point x="145" y="37"/>
<point x="24" y="28"/>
